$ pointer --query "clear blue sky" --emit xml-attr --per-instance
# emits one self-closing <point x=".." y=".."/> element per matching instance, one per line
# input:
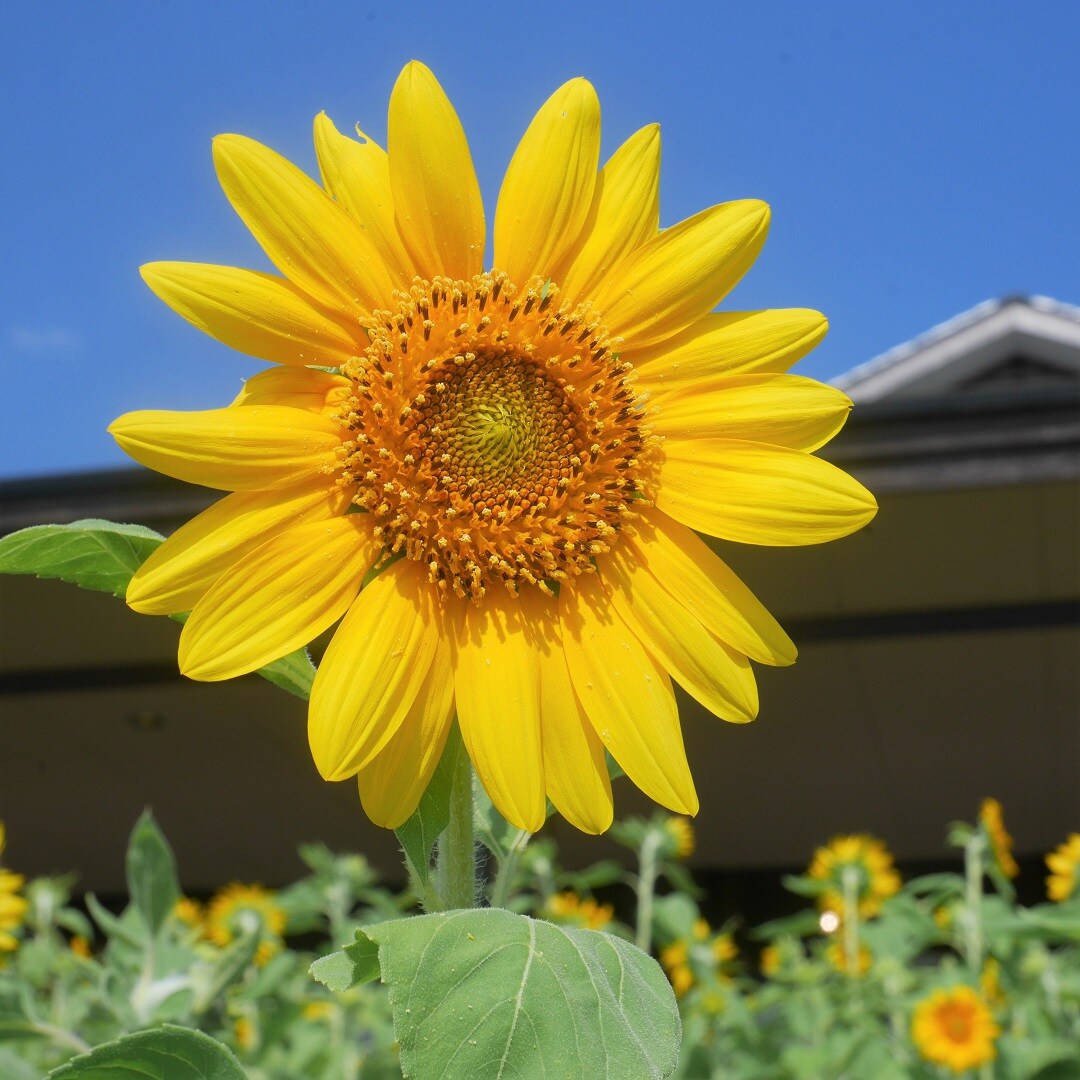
<point x="919" y="158"/>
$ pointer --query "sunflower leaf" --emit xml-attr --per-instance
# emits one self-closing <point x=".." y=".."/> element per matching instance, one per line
<point x="164" y="1053"/>
<point x="472" y="988"/>
<point x="151" y="873"/>
<point x="355" y="964"/>
<point x="419" y="834"/>
<point x="102" y="556"/>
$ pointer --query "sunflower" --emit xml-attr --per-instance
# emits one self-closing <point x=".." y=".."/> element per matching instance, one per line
<point x="570" y="909"/>
<point x="491" y="478"/>
<point x="993" y="822"/>
<point x="955" y="1028"/>
<point x="680" y="837"/>
<point x="1063" y="863"/>
<point x="875" y="874"/>
<point x="701" y="955"/>
<point x="238" y="910"/>
<point x="12" y="905"/>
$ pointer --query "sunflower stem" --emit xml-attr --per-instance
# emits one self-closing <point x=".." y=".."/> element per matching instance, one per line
<point x="972" y="910"/>
<point x="457" y="847"/>
<point x="850" y="882"/>
<point x="646" y="886"/>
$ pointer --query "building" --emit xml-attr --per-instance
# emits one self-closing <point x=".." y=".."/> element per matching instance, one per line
<point x="940" y="654"/>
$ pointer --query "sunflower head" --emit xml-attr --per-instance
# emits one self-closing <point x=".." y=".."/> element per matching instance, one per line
<point x="1064" y="866"/>
<point x="864" y="857"/>
<point x="1000" y="843"/>
<point x="490" y="477"/>
<point x="955" y="1028"/>
<point x="241" y="910"/>
<point x="13" y="905"/>
<point x="680" y="837"/>
<point x="570" y="909"/>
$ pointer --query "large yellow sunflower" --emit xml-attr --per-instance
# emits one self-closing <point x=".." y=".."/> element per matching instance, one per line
<point x="955" y="1028"/>
<point x="513" y="460"/>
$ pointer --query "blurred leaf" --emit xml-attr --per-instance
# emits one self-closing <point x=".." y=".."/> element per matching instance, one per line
<point x="492" y="829"/>
<point x="151" y="873"/>
<point x="210" y="981"/>
<point x="800" y="925"/>
<point x="163" y="1053"/>
<point x="112" y="926"/>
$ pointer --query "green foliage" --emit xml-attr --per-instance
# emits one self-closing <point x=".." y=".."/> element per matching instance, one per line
<point x="102" y="556"/>
<point x="151" y="873"/>
<point x="478" y="993"/>
<point x="166" y="1053"/>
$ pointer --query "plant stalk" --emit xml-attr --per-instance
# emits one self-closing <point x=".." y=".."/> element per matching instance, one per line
<point x="646" y="886"/>
<point x="457" y="847"/>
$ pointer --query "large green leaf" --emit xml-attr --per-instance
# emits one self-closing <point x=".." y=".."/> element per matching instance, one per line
<point x="151" y="873"/>
<point x="493" y="994"/>
<point x="103" y="556"/>
<point x="164" y="1053"/>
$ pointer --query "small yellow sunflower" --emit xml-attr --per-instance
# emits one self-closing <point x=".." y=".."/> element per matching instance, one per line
<point x="955" y="1028"/>
<point x="244" y="1033"/>
<point x="870" y="858"/>
<point x="513" y="459"/>
<point x="189" y="912"/>
<point x="770" y="960"/>
<point x="1063" y="863"/>
<point x="680" y="832"/>
<point x="993" y="821"/>
<point x="243" y="909"/>
<point x="570" y="909"/>
<point x="12" y="905"/>
<point x="675" y="960"/>
<point x="703" y="955"/>
<point x="837" y="956"/>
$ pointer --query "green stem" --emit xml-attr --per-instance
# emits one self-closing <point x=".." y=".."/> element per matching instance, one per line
<point x="500" y="887"/>
<point x="646" y="885"/>
<point x="973" y="875"/>
<point x="457" y="848"/>
<point x="850" y="881"/>
<point x="61" y="1037"/>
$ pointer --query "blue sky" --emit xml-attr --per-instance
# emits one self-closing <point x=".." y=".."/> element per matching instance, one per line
<point x="919" y="158"/>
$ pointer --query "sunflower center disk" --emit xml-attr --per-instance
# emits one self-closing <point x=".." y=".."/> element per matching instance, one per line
<point x="495" y="434"/>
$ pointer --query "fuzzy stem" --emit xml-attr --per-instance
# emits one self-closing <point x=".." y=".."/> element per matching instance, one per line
<point x="457" y="848"/>
<point x="850" y="881"/>
<point x="972" y="915"/>
<point x="646" y="885"/>
<point x="500" y="888"/>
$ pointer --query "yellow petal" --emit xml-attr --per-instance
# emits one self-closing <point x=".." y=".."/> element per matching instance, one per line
<point x="357" y="176"/>
<point x="708" y="670"/>
<point x="682" y="273"/>
<point x="548" y="189"/>
<point x="268" y="446"/>
<point x="307" y="236"/>
<point x="437" y="201"/>
<point x="626" y="695"/>
<point x="784" y="410"/>
<point x="377" y="662"/>
<point x="704" y="584"/>
<point x="178" y="573"/>
<point x="759" y="494"/>
<point x="728" y="343"/>
<point x="296" y="388"/>
<point x="258" y="314"/>
<point x="575" y="768"/>
<point x="625" y="213"/>
<point x="391" y="786"/>
<point x="284" y="594"/>
<point x="498" y="700"/>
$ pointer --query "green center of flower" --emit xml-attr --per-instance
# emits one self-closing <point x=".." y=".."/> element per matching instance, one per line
<point x="496" y="436"/>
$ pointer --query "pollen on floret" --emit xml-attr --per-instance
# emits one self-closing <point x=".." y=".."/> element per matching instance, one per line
<point x="495" y="434"/>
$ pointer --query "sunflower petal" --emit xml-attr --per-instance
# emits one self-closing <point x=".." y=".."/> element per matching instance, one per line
<point x="297" y="388"/>
<point x="548" y="189"/>
<point x="391" y="786"/>
<point x="698" y="579"/>
<point x="376" y="664"/>
<point x="783" y="410"/>
<point x="626" y="695"/>
<point x="759" y="494"/>
<point x="357" y="175"/>
<point x="498" y="699"/>
<point x="625" y="213"/>
<point x="255" y="313"/>
<point x="575" y="768"/>
<point x="306" y="235"/>
<point x="266" y="446"/>
<point x="705" y="668"/>
<point x="437" y="203"/>
<point x="284" y="594"/>
<point x="684" y="272"/>
<point x="728" y="343"/>
<point x="178" y="574"/>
